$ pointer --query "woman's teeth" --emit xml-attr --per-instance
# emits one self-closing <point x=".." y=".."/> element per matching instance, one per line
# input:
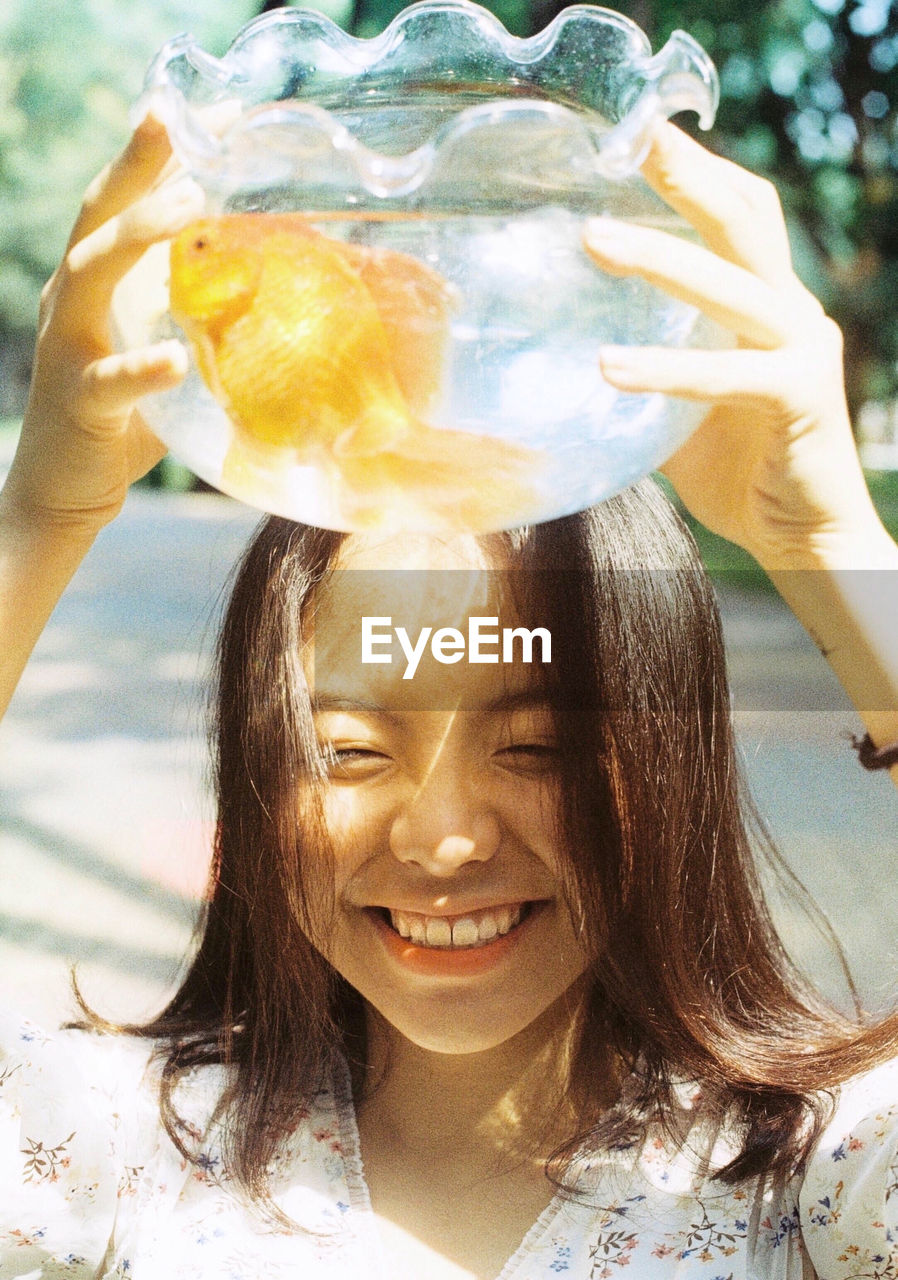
<point x="461" y="931"/>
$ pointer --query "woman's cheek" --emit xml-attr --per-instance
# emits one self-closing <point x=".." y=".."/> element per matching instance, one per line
<point x="531" y="813"/>
<point x="358" y="826"/>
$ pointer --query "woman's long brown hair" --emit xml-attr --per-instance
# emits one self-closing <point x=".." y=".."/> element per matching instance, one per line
<point x="688" y="978"/>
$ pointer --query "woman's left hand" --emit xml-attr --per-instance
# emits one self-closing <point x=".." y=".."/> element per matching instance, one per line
<point x="773" y="467"/>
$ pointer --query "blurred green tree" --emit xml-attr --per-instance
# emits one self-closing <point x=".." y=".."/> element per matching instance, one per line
<point x="69" y="71"/>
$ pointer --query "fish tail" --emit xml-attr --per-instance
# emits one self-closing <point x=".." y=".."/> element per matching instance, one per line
<point x="454" y="478"/>
<point x="458" y="453"/>
<point x="383" y="427"/>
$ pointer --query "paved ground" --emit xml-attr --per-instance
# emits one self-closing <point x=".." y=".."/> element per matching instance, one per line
<point x="103" y="813"/>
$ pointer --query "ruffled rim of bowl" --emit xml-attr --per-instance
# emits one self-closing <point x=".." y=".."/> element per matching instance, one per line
<point x="212" y="105"/>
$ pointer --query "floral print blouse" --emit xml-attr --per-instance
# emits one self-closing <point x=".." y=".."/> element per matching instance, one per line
<point x="91" y="1186"/>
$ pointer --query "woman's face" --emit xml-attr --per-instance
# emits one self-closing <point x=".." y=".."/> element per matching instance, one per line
<point x="440" y="799"/>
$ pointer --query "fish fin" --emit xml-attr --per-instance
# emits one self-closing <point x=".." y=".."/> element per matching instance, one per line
<point x="461" y="452"/>
<point x="238" y="476"/>
<point x="452" y="479"/>
<point x="204" y="354"/>
<point x="415" y="304"/>
<point x="383" y="428"/>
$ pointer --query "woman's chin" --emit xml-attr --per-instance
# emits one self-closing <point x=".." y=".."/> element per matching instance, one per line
<point x="457" y="1030"/>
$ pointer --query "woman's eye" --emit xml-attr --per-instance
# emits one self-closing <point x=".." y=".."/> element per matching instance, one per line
<point x="352" y="762"/>
<point x="529" y="757"/>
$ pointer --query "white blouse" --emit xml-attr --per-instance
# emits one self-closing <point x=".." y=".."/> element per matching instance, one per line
<point x="91" y="1186"/>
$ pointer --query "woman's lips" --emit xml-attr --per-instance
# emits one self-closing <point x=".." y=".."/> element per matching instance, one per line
<point x="453" y="945"/>
<point x="470" y="929"/>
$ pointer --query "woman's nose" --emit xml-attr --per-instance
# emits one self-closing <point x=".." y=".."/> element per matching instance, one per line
<point x="444" y="825"/>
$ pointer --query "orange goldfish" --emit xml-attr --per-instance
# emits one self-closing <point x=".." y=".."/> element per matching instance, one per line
<point x="330" y="351"/>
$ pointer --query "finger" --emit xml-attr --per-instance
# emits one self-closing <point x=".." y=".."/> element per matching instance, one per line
<point x="216" y="119"/>
<point x="93" y="268"/>
<point x="145" y="448"/>
<point x="728" y="294"/>
<point x="737" y="213"/>
<point x="717" y="377"/>
<point x="129" y="176"/>
<point x="113" y="384"/>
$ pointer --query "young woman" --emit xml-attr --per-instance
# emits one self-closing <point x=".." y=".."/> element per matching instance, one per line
<point x="486" y="983"/>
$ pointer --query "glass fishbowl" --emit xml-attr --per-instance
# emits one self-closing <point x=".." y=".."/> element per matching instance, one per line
<point x="392" y="320"/>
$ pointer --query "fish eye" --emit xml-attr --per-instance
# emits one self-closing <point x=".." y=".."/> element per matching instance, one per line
<point x="201" y="243"/>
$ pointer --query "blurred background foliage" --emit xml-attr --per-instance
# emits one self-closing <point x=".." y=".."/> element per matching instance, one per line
<point x="809" y="95"/>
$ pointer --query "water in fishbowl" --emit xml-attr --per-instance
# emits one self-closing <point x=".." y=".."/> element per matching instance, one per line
<point x="422" y="370"/>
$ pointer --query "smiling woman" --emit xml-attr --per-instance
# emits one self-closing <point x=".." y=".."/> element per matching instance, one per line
<point x="580" y="823"/>
<point x="442" y="816"/>
<point x="486" y="983"/>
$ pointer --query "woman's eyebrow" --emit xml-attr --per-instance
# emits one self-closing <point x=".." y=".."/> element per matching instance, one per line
<point x="358" y="706"/>
<point x="522" y="700"/>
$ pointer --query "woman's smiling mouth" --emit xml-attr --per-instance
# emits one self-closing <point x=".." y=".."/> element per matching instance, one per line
<point x="450" y="945"/>
<point x="472" y="929"/>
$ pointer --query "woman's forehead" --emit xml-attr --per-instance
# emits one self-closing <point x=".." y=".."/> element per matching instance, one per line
<point x="424" y="622"/>
<point x="417" y="580"/>
<point x="417" y="551"/>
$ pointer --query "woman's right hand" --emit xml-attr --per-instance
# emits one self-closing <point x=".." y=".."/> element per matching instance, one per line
<point x="83" y="442"/>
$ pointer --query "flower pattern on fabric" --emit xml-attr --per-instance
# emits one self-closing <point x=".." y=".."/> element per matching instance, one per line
<point x="562" y="1257"/>
<point x="782" y="1229"/>
<point x="711" y="1238"/>
<point x="92" y="1187"/>
<point x="42" y="1162"/>
<point x="611" y="1249"/>
<point x="848" y="1203"/>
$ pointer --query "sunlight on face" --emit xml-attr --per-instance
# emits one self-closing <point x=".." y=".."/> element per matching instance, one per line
<point x="441" y="803"/>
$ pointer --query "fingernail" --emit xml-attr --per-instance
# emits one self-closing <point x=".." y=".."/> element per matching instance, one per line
<point x="171" y="207"/>
<point x="172" y="353"/>
<point x="219" y="116"/>
<point x="619" y="364"/>
<point x="606" y="230"/>
<point x="182" y="193"/>
<point x="623" y="356"/>
<point x="146" y="116"/>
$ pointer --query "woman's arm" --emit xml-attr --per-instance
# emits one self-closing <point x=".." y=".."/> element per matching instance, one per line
<point x="852" y="616"/>
<point x="82" y="443"/>
<point x="774" y="466"/>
